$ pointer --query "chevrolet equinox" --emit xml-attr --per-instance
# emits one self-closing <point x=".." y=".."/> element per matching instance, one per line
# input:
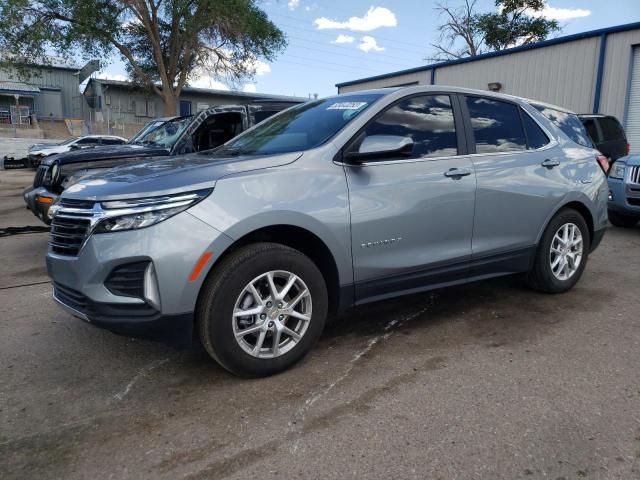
<point x="360" y="197"/>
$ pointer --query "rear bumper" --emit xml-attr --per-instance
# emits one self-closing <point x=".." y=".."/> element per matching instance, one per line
<point x="598" y="235"/>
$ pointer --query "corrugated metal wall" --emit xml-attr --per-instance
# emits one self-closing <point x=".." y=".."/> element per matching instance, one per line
<point x="560" y="74"/>
<point x="615" y="83"/>
<point x="66" y="80"/>
<point x="419" y="78"/>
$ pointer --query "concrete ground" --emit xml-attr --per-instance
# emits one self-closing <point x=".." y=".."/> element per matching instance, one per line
<point x="486" y="381"/>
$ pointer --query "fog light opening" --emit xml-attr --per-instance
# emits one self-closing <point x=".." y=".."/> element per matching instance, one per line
<point x="151" y="290"/>
<point x="610" y="195"/>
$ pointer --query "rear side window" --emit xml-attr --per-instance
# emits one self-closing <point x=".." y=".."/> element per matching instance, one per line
<point x="536" y="138"/>
<point x="569" y="123"/>
<point x="496" y="125"/>
<point x="112" y="141"/>
<point x="611" y="129"/>
<point x="427" y="119"/>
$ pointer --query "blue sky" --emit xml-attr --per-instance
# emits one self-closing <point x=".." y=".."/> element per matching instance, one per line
<point x="332" y="41"/>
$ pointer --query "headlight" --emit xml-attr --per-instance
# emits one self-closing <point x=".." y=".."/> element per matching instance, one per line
<point x="138" y="213"/>
<point x="617" y="170"/>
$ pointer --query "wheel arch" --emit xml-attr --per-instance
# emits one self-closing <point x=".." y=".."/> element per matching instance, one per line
<point x="302" y="240"/>
<point x="577" y="205"/>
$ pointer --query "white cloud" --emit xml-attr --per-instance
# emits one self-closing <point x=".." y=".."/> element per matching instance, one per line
<point x="261" y="68"/>
<point x="250" y="88"/>
<point x="368" y="44"/>
<point x="205" y="81"/>
<point x="344" y="39"/>
<point x="293" y="4"/>
<point x="376" y="17"/>
<point x="553" y="13"/>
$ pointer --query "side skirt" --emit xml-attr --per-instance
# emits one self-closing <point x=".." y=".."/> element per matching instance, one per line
<point x="478" y="268"/>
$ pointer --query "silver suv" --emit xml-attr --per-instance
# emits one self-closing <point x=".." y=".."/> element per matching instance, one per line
<point x="337" y="202"/>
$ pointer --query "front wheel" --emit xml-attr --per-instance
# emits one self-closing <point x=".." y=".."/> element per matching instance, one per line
<point x="562" y="253"/>
<point x="262" y="309"/>
<point x="620" y="220"/>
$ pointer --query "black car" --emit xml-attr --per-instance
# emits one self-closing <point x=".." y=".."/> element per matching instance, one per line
<point x="159" y="138"/>
<point x="607" y="134"/>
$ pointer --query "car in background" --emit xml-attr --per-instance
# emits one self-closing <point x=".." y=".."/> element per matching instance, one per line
<point x="159" y="138"/>
<point x="334" y="203"/>
<point x="624" y="192"/>
<point x="607" y="134"/>
<point x="39" y="151"/>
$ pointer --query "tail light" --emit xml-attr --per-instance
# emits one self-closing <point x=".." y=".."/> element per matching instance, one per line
<point x="604" y="163"/>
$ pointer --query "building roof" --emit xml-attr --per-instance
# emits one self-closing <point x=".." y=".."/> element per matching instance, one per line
<point x="48" y="61"/>
<point x="10" y="88"/>
<point x="530" y="46"/>
<point x="209" y="91"/>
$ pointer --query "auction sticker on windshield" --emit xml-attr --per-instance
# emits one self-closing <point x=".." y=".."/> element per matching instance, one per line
<point x="347" y="106"/>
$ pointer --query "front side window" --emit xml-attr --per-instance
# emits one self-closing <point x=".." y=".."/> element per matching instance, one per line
<point x="428" y="120"/>
<point x="496" y="125"/>
<point x="87" y="141"/>
<point x="302" y="127"/>
<point x="569" y="123"/>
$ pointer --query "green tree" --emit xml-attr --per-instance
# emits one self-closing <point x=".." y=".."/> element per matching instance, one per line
<point x="164" y="43"/>
<point x="517" y="22"/>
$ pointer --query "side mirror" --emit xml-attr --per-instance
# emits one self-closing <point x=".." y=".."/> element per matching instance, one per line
<point x="381" y="147"/>
<point x="74" y="147"/>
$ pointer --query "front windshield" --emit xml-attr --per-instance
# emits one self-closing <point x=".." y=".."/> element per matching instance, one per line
<point x="166" y="134"/>
<point x="71" y="140"/>
<point x="144" y="130"/>
<point x="301" y="127"/>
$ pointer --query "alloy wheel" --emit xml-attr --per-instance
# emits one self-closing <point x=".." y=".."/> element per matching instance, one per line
<point x="566" y="251"/>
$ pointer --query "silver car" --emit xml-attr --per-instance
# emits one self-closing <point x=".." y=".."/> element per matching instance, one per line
<point x="361" y="197"/>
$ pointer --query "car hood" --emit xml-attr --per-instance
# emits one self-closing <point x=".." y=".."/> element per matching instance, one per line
<point x="107" y="153"/>
<point x="169" y="175"/>
<point x="630" y="160"/>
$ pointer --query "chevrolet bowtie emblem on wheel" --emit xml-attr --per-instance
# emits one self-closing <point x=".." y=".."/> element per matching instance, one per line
<point x="379" y="243"/>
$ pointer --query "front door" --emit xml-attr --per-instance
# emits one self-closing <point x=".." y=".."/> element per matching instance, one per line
<point x="412" y="217"/>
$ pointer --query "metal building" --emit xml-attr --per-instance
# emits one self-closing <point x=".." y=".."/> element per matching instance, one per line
<point x="120" y="107"/>
<point x="590" y="72"/>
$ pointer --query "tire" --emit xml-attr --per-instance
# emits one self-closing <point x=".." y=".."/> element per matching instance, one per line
<point x="542" y="276"/>
<point x="227" y="289"/>
<point x="620" y="220"/>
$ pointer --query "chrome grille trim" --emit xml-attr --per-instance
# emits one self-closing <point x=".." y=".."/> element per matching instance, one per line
<point x="634" y="174"/>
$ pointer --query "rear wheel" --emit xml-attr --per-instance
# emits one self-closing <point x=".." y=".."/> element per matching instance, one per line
<point x="562" y="253"/>
<point x="262" y="309"/>
<point x="620" y="220"/>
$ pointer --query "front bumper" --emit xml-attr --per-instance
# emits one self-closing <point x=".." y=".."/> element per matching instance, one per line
<point x="173" y="247"/>
<point x="39" y="209"/>
<point x="624" y="197"/>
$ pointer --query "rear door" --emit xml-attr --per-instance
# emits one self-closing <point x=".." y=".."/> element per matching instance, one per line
<point x="412" y="217"/>
<point x="519" y="182"/>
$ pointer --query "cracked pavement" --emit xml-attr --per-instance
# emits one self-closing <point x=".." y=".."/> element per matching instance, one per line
<point x="488" y="380"/>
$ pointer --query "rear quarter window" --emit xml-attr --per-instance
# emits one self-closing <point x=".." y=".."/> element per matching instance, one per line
<point x="569" y="123"/>
<point x="611" y="129"/>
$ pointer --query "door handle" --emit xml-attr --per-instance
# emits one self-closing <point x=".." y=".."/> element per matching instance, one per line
<point x="457" y="172"/>
<point x="548" y="163"/>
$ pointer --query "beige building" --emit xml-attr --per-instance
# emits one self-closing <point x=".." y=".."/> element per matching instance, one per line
<point x="590" y="72"/>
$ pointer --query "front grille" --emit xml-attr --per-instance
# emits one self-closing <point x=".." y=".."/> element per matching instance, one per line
<point x="38" y="180"/>
<point x="127" y="280"/>
<point x="68" y="234"/>
<point x="634" y="174"/>
<point x="72" y="203"/>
